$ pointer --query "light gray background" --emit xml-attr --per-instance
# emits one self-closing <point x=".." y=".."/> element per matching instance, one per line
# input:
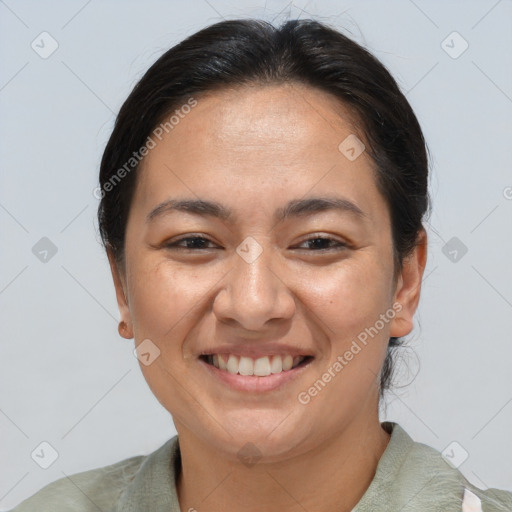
<point x="69" y="379"/>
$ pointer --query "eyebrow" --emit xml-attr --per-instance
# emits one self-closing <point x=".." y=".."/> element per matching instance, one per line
<point x="295" y="208"/>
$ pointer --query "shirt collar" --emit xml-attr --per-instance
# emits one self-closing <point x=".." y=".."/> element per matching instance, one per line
<point x="154" y="485"/>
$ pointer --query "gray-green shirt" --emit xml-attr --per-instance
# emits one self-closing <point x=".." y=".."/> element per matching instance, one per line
<point x="410" y="477"/>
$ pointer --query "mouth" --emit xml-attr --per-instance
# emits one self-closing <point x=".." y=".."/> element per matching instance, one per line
<point x="260" y="367"/>
<point x="256" y="368"/>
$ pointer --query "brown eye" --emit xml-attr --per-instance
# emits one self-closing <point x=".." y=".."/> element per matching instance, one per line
<point x="191" y="242"/>
<point x="199" y="242"/>
<point x="324" y="243"/>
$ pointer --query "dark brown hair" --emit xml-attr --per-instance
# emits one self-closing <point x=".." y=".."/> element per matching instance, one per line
<point x="254" y="52"/>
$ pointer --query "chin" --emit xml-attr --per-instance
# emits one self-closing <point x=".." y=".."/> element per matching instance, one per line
<point x="266" y="436"/>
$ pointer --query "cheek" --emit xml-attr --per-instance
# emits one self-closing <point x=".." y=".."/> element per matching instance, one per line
<point x="162" y="297"/>
<point x="349" y="298"/>
<point x="349" y="303"/>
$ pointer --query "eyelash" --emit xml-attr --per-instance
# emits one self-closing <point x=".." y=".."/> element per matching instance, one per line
<point x="174" y="245"/>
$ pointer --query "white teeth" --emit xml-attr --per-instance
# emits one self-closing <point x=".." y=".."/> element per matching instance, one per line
<point x="223" y="362"/>
<point x="232" y="364"/>
<point x="246" y="366"/>
<point x="260" y="367"/>
<point x="277" y="365"/>
<point x="287" y="362"/>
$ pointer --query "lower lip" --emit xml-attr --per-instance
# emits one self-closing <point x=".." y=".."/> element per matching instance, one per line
<point x="253" y="382"/>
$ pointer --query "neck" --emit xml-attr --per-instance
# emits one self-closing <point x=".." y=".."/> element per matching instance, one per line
<point x="332" y="477"/>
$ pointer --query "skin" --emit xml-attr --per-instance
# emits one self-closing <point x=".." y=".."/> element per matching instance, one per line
<point x="253" y="149"/>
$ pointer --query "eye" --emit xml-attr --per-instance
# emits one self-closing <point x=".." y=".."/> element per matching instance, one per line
<point x="198" y="243"/>
<point x="321" y="242"/>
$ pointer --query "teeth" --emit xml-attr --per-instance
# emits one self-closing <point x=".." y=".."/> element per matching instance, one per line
<point x="223" y="363"/>
<point x="287" y="362"/>
<point x="277" y="365"/>
<point x="260" y="367"/>
<point x="246" y="366"/>
<point x="232" y="364"/>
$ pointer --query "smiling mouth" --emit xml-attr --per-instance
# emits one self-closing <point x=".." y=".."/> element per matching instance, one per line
<point x="260" y="367"/>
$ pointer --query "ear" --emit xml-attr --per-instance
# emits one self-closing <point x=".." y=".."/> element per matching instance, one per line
<point x="126" y="329"/>
<point x="408" y="288"/>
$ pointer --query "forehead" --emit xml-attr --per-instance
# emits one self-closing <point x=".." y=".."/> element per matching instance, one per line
<point x="262" y="142"/>
<point x="277" y="116"/>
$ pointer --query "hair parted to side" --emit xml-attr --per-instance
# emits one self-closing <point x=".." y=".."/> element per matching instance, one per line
<point x="235" y="53"/>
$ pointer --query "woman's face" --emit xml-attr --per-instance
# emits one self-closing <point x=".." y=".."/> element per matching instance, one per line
<point x="262" y="284"/>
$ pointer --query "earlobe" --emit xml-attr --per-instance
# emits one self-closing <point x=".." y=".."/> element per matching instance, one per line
<point x="125" y="325"/>
<point x="408" y="289"/>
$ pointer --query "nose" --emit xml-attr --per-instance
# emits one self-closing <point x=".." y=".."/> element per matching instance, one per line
<point x="255" y="293"/>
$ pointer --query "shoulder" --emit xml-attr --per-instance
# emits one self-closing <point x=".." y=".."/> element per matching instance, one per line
<point x="97" y="489"/>
<point x="93" y="490"/>
<point x="446" y="482"/>
<point x="412" y="477"/>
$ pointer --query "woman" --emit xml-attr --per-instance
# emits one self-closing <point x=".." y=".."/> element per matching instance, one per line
<point x="262" y="198"/>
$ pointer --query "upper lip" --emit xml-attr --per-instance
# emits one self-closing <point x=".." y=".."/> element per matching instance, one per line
<point x="256" y="350"/>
